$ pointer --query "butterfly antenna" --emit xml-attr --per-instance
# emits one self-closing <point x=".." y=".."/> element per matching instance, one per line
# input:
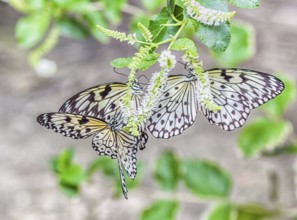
<point x="181" y="63"/>
<point x="119" y="73"/>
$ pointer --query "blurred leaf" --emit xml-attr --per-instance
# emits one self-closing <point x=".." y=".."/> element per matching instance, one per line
<point x="222" y="211"/>
<point x="219" y="5"/>
<point x="263" y="134"/>
<point x="241" y="47"/>
<point x="124" y="62"/>
<point x="112" y="10"/>
<point x="160" y="210"/>
<point x="167" y="171"/>
<point x="133" y="25"/>
<point x="30" y="29"/>
<point x="121" y="62"/>
<point x="253" y="212"/>
<point x="106" y="165"/>
<point x="185" y="44"/>
<point x="170" y="6"/>
<point x="27" y="5"/>
<point x="161" y="32"/>
<point x="69" y="190"/>
<point x="152" y="5"/>
<point x="216" y="38"/>
<point x="64" y="159"/>
<point x="69" y="27"/>
<point x="206" y="179"/>
<point x="278" y="105"/>
<point x="245" y="3"/>
<point x="78" y="6"/>
<point x="291" y="148"/>
<point x="73" y="174"/>
<point x="94" y="18"/>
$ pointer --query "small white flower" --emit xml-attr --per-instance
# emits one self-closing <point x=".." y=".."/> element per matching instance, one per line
<point x="167" y="60"/>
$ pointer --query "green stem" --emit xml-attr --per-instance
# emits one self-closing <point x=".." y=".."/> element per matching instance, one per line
<point x="174" y="38"/>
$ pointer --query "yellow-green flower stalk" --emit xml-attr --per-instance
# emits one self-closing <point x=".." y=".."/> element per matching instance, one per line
<point x="131" y="38"/>
<point x="206" y="16"/>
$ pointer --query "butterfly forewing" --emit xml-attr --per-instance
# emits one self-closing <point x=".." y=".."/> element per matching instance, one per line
<point x="238" y="91"/>
<point x="70" y="125"/>
<point x="177" y="108"/>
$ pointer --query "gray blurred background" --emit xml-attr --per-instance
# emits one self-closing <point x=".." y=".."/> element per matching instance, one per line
<point x="28" y="188"/>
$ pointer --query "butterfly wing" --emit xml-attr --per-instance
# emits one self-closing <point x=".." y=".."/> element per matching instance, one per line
<point x="122" y="178"/>
<point x="238" y="91"/>
<point x="69" y="125"/>
<point x="114" y="143"/>
<point x="99" y="101"/>
<point x="177" y="108"/>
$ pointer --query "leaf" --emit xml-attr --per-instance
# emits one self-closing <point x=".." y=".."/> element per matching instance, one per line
<point x="27" y="6"/>
<point x="112" y="10"/>
<point x="280" y="103"/>
<point x="206" y="179"/>
<point x="170" y="6"/>
<point x="152" y="5"/>
<point x="157" y="28"/>
<point x="241" y="47"/>
<point x="263" y="134"/>
<point x="70" y="27"/>
<point x="69" y="190"/>
<point x="185" y="44"/>
<point x="245" y="3"/>
<point x="94" y="18"/>
<point x="221" y="211"/>
<point x="30" y="29"/>
<point x="74" y="174"/>
<point x="161" y="209"/>
<point x="216" y="38"/>
<point x="64" y="159"/>
<point x="124" y="62"/>
<point x="167" y="171"/>
<point x="254" y="212"/>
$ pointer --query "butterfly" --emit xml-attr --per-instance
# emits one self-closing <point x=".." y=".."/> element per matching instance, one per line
<point x="109" y="140"/>
<point x="235" y="91"/>
<point x="104" y="102"/>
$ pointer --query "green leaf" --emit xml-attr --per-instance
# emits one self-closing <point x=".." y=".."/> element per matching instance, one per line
<point x="279" y="104"/>
<point x="161" y="209"/>
<point x="94" y="18"/>
<point x="161" y="32"/>
<point x="216" y="38"/>
<point x="245" y="3"/>
<point x="241" y="47"/>
<point x="68" y="189"/>
<point x="64" y="159"/>
<point x="152" y="5"/>
<point x="112" y="10"/>
<point x="26" y="6"/>
<point x="30" y="29"/>
<point x="170" y="6"/>
<point x="206" y="179"/>
<point x="124" y="62"/>
<point x="263" y="134"/>
<point x="70" y="27"/>
<point x="222" y="211"/>
<point x="185" y="44"/>
<point x="121" y="62"/>
<point x="74" y="174"/>
<point x="254" y="212"/>
<point x="167" y="171"/>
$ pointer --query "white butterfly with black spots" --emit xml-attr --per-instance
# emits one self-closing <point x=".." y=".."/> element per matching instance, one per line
<point x="236" y="91"/>
<point x="109" y="140"/>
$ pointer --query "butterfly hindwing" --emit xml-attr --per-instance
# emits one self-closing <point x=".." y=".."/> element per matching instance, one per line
<point x="70" y="125"/>
<point x="177" y="108"/>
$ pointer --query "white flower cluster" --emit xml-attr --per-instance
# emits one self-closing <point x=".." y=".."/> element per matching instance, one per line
<point x="167" y="60"/>
<point x="131" y="38"/>
<point x="205" y="15"/>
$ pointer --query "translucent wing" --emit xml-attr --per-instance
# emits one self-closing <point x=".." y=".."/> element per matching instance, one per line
<point x="102" y="101"/>
<point x="118" y="143"/>
<point x="69" y="125"/>
<point x="177" y="108"/>
<point x="238" y="91"/>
